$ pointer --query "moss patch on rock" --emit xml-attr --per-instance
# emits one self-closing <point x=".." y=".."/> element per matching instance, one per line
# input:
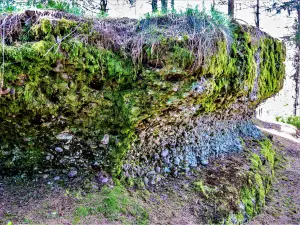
<point x="79" y="101"/>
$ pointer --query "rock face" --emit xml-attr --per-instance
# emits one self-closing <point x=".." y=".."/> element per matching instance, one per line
<point x="123" y="97"/>
<point x="187" y="146"/>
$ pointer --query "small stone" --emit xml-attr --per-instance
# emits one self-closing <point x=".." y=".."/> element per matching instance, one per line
<point x="167" y="160"/>
<point x="193" y="164"/>
<point x="146" y="180"/>
<point x="64" y="136"/>
<point x="167" y="170"/>
<point x="157" y="169"/>
<point x="204" y="162"/>
<point x="186" y="169"/>
<point x="93" y="146"/>
<point x="158" y="178"/>
<point x="152" y="182"/>
<point x="156" y="156"/>
<point x="176" y="161"/>
<point x="126" y="174"/>
<point x="59" y="149"/>
<point x="12" y="91"/>
<point x="151" y="173"/>
<point x="105" y="139"/>
<point x="126" y="167"/>
<point x="104" y="180"/>
<point x="57" y="178"/>
<point x="48" y="157"/>
<point x="67" y="147"/>
<point x="164" y="153"/>
<point x="72" y="173"/>
<point x="64" y="76"/>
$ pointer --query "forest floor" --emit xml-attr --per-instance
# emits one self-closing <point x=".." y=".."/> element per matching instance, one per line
<point x="175" y="201"/>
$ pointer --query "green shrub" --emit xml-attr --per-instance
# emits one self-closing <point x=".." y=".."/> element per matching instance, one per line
<point x="293" y="120"/>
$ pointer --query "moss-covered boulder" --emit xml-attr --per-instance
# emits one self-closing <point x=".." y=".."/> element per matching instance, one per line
<point x="129" y="97"/>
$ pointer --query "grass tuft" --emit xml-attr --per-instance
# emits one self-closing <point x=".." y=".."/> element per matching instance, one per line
<point x="113" y="203"/>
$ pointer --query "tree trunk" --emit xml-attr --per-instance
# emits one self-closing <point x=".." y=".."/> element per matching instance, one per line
<point x="164" y="6"/>
<point x="132" y="2"/>
<point x="103" y="6"/>
<point x="257" y="13"/>
<point x="231" y="8"/>
<point x="154" y="6"/>
<point x="173" y="5"/>
<point x="214" y="4"/>
<point x="297" y="66"/>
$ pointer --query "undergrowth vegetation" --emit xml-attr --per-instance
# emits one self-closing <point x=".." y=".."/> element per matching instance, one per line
<point x="114" y="204"/>
<point x="293" y="120"/>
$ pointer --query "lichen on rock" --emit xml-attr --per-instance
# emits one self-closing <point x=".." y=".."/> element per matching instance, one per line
<point x="126" y="97"/>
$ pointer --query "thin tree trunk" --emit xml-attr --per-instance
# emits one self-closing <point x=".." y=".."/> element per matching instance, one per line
<point x="297" y="66"/>
<point x="173" y="5"/>
<point x="164" y="6"/>
<point x="257" y="13"/>
<point x="231" y="8"/>
<point x="154" y="6"/>
<point x="103" y="6"/>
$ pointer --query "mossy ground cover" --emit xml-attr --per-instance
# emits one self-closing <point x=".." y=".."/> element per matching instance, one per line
<point x="111" y="205"/>
<point x="66" y="76"/>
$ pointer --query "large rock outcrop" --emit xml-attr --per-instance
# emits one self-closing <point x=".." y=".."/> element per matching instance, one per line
<point x="132" y="98"/>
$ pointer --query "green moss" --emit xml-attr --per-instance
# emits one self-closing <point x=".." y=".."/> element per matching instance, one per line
<point x="268" y="152"/>
<point x="199" y="186"/>
<point x="272" y="70"/>
<point x="181" y="58"/>
<point x="81" y="211"/>
<point x="253" y="194"/>
<point x="115" y="204"/>
<point x="256" y="163"/>
<point x="259" y="177"/>
<point x="102" y="91"/>
<point x="221" y="64"/>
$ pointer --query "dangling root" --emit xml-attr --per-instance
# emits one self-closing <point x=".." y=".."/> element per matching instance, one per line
<point x="5" y="92"/>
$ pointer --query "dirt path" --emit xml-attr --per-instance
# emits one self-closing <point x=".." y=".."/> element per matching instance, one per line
<point x="283" y="204"/>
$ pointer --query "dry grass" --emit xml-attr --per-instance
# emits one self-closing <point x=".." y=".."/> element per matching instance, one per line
<point x="130" y="35"/>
